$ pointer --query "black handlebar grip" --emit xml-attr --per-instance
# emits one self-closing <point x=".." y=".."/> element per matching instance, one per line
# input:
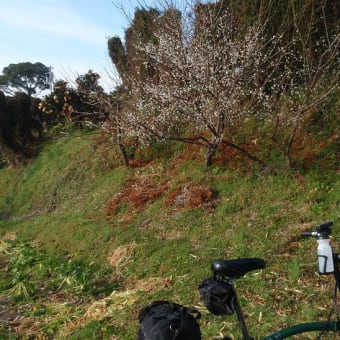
<point x="307" y="233"/>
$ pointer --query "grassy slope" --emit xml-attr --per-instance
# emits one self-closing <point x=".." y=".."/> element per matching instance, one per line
<point x="159" y="251"/>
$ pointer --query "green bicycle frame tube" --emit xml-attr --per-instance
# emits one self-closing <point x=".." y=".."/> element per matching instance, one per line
<point x="332" y="326"/>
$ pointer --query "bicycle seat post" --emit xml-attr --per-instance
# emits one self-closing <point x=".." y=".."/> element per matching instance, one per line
<point x="240" y="317"/>
<point x="229" y="270"/>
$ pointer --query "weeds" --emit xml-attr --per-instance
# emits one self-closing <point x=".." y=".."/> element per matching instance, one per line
<point x="31" y="274"/>
<point x="33" y="278"/>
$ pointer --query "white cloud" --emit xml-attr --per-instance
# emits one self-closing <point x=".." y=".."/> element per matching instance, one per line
<point x="51" y="18"/>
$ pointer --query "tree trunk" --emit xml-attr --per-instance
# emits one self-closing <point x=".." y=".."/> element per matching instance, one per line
<point x="210" y="153"/>
<point x="290" y="142"/>
<point x="121" y="144"/>
<point x="124" y="155"/>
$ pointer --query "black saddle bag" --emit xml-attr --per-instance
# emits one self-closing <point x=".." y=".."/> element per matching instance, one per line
<point x="218" y="296"/>
<point x="164" y="320"/>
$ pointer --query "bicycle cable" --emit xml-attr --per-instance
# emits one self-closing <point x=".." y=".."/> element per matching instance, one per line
<point x="334" y="309"/>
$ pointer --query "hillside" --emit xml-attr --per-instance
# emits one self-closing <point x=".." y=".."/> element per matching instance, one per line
<point x="85" y="242"/>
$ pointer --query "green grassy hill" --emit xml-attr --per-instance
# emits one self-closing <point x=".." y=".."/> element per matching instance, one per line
<point x="85" y="243"/>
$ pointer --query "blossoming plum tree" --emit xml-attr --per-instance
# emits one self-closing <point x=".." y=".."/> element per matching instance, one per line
<point x="212" y="73"/>
<point x="207" y="82"/>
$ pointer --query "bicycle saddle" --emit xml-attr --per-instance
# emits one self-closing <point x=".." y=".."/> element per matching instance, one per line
<point x="237" y="267"/>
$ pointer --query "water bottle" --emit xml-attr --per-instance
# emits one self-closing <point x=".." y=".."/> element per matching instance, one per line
<point x="325" y="256"/>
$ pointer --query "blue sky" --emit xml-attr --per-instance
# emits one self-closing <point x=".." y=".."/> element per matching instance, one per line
<point x="69" y="35"/>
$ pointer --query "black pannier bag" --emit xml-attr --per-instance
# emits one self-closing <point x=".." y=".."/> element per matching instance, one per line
<point x="164" y="320"/>
<point x="218" y="296"/>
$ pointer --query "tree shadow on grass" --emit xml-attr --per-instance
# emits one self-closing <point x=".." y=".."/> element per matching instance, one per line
<point x="4" y="215"/>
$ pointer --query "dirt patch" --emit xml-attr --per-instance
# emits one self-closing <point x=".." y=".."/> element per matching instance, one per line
<point x="6" y="314"/>
<point x="193" y="196"/>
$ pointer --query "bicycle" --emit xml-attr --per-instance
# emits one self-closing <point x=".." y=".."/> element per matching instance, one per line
<point x="227" y="271"/>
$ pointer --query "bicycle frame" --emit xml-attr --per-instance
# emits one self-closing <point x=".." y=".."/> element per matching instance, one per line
<point x="320" y="326"/>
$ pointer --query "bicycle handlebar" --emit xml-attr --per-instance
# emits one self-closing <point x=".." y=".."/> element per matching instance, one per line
<point x="322" y="230"/>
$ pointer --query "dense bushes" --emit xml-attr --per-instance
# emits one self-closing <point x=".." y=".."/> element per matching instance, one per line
<point x="20" y="127"/>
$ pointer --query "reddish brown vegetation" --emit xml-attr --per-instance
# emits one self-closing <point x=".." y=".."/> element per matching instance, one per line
<point x="137" y="193"/>
<point x="192" y="196"/>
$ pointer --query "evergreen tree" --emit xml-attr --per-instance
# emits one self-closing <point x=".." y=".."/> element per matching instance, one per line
<point x="25" y="77"/>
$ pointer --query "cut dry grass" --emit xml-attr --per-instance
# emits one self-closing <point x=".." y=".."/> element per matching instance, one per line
<point x="117" y="302"/>
<point x="120" y="257"/>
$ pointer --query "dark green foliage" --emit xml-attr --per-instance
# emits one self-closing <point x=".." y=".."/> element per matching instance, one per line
<point x="142" y="27"/>
<point x="87" y="83"/>
<point x="20" y="127"/>
<point x="3" y="114"/>
<point x="127" y="58"/>
<point x="309" y="22"/>
<point x="118" y="56"/>
<point x="25" y="77"/>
